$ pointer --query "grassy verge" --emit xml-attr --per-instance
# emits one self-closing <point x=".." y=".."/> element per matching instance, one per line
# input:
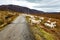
<point x="39" y="33"/>
<point x="6" y="18"/>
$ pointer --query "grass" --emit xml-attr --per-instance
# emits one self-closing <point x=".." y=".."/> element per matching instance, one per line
<point x="46" y="35"/>
<point x="41" y="33"/>
<point x="6" y="17"/>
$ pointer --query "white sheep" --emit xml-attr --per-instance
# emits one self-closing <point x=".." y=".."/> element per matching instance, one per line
<point x="41" y="18"/>
<point x="49" y="20"/>
<point x="52" y="25"/>
<point x="35" y="21"/>
<point x="32" y="17"/>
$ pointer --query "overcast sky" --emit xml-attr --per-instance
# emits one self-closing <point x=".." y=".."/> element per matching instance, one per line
<point x="43" y="5"/>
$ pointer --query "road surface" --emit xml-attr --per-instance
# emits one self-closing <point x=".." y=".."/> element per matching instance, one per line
<point x="17" y="30"/>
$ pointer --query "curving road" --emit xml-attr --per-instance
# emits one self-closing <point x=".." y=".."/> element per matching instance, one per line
<point x="17" y="30"/>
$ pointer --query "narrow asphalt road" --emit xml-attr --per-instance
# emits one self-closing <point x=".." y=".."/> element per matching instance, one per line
<point x="17" y="30"/>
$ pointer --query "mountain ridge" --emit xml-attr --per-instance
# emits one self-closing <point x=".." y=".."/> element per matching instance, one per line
<point x="26" y="10"/>
<point x="19" y="9"/>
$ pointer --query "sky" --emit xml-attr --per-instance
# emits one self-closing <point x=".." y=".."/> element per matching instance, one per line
<point x="42" y="5"/>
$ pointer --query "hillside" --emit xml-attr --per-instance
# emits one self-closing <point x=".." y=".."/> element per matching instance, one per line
<point x="26" y="10"/>
<point x="44" y="28"/>
<point x="22" y="23"/>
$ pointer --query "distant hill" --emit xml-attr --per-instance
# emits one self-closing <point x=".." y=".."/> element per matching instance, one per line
<point x="19" y="9"/>
<point x="8" y="13"/>
<point x="29" y="11"/>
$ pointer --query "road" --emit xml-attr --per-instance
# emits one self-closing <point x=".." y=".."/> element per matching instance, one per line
<point x="17" y="30"/>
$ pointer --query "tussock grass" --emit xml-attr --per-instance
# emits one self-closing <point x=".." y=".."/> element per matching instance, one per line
<point x="42" y="33"/>
<point x="6" y="17"/>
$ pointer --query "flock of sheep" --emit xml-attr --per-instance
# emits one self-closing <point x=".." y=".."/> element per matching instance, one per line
<point x="48" y="23"/>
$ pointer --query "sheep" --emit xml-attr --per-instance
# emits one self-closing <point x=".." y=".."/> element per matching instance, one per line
<point x="35" y="21"/>
<point x="32" y="17"/>
<point x="49" y="20"/>
<point x="52" y="25"/>
<point x="41" y="18"/>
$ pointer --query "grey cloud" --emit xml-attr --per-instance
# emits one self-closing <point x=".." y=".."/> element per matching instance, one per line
<point x="50" y="9"/>
<point x="45" y="5"/>
<point x="34" y="1"/>
<point x="48" y="6"/>
<point x="40" y="1"/>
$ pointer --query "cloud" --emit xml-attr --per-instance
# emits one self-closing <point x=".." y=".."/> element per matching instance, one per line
<point x="18" y="2"/>
<point x="33" y="1"/>
<point x="44" y="5"/>
<point x="24" y="3"/>
<point x="47" y="5"/>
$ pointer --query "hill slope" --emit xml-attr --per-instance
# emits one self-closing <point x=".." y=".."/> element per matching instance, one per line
<point x="44" y="28"/>
<point x="26" y="10"/>
<point x="43" y="25"/>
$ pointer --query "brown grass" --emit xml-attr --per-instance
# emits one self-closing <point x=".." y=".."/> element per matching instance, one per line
<point x="7" y="17"/>
<point x="53" y="33"/>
